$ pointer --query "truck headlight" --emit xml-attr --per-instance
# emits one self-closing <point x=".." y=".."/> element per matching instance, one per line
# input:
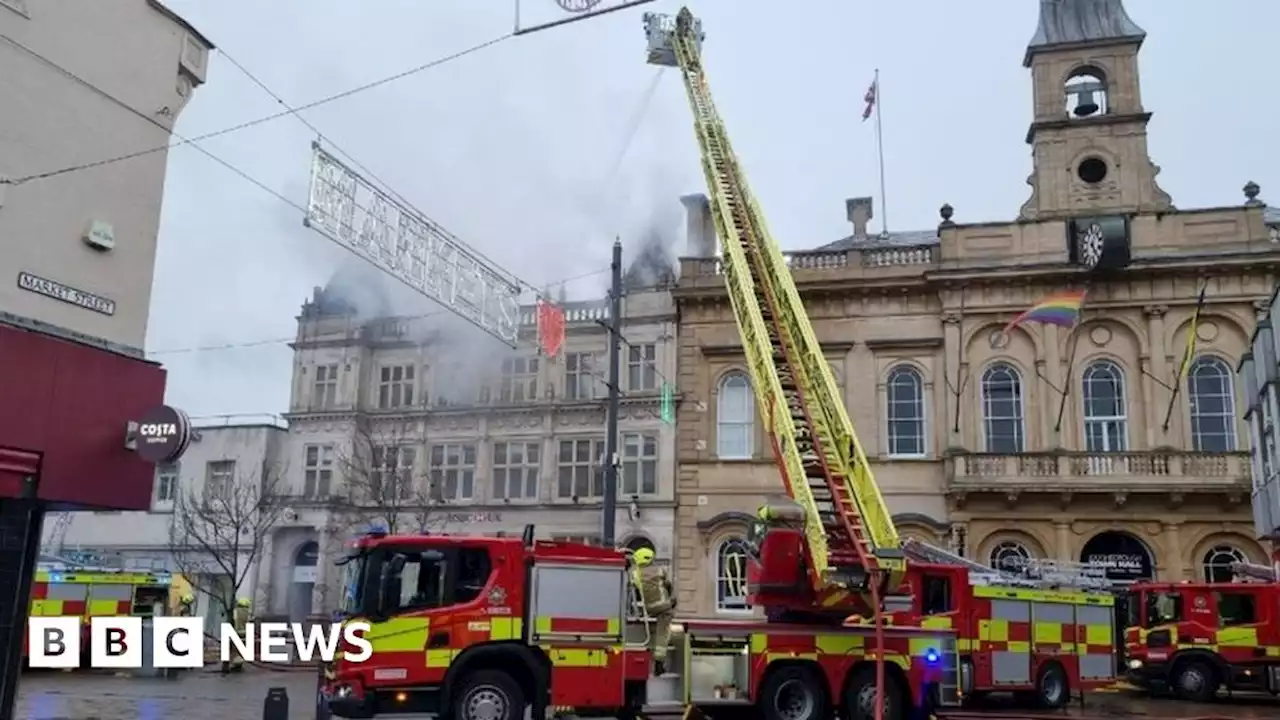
<point x="1135" y="664"/>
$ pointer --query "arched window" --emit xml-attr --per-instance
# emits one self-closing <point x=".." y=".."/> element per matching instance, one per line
<point x="1106" y="423"/>
<point x="731" y="576"/>
<point x="1212" y="396"/>
<point x="1086" y="93"/>
<point x="1217" y="563"/>
<point x="1002" y="422"/>
<point x="734" y="418"/>
<point x="1009" y="555"/>
<point x="906" y="412"/>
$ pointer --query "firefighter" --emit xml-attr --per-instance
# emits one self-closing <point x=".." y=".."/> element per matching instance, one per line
<point x="655" y="592"/>
<point x="187" y="605"/>
<point x="240" y="619"/>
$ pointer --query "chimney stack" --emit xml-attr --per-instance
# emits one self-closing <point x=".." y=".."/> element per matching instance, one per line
<point x="700" y="229"/>
<point x="859" y="212"/>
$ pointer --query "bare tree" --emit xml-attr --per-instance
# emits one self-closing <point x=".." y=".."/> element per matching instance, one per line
<point x="380" y="482"/>
<point x="218" y="531"/>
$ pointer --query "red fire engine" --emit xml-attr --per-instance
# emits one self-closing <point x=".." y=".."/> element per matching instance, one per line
<point x="1042" y="630"/>
<point x="1197" y="638"/>
<point x="476" y="627"/>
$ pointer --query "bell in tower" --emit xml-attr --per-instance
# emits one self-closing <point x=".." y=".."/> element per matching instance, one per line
<point x="1086" y="94"/>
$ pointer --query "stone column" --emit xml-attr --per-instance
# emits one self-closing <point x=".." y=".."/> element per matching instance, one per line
<point x="264" y="592"/>
<point x="1062" y="537"/>
<point x="1174" y="565"/>
<point x="322" y="600"/>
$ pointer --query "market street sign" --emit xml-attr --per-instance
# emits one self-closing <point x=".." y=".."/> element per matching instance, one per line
<point x="409" y="246"/>
<point x="66" y="293"/>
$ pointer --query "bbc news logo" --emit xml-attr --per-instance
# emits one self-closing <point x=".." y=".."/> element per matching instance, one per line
<point x="179" y="642"/>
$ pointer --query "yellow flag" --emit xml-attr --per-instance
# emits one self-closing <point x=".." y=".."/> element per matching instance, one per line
<point x="1189" y="354"/>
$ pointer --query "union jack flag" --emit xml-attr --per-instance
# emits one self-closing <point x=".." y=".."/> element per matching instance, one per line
<point x="870" y="99"/>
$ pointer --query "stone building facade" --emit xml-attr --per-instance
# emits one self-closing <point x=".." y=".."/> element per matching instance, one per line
<point x="487" y="439"/>
<point x="1043" y="441"/>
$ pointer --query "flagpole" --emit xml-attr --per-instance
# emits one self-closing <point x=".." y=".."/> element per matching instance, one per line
<point x="884" y="204"/>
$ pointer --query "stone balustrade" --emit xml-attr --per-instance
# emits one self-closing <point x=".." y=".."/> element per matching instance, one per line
<point x="1158" y="470"/>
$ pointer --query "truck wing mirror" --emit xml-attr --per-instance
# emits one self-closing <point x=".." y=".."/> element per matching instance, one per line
<point x="396" y="565"/>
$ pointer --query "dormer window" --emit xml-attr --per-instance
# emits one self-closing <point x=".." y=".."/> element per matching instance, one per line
<point x="1086" y="93"/>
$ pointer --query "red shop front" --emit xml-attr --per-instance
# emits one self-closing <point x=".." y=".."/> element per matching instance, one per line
<point x="67" y="411"/>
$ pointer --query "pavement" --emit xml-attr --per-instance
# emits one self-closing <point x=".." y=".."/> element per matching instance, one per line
<point x="211" y="696"/>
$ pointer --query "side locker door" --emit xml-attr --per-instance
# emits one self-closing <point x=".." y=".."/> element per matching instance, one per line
<point x="1095" y="642"/>
<point x="1011" y="641"/>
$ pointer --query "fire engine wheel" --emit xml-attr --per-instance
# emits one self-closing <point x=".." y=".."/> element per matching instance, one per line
<point x="1195" y="681"/>
<point x="793" y="693"/>
<point x="1052" y="689"/>
<point x="488" y="695"/>
<point x="860" y="697"/>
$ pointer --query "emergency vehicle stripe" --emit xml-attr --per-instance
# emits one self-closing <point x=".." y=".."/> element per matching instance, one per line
<point x="102" y="607"/>
<point x="899" y="649"/>
<point x="399" y="634"/>
<point x="1238" y="637"/>
<point x="579" y="657"/>
<point x="506" y="628"/>
<point x="546" y="625"/>
<point x="1048" y="596"/>
<point x="576" y="625"/>
<point x="439" y="658"/>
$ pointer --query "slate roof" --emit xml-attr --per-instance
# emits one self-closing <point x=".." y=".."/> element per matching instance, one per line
<point x="907" y="238"/>
<point x="1069" y="22"/>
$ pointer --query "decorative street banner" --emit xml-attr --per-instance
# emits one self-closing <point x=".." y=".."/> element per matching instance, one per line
<point x="411" y="247"/>
<point x="534" y="15"/>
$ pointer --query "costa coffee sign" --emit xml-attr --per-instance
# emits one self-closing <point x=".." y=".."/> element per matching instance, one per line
<point x="163" y="434"/>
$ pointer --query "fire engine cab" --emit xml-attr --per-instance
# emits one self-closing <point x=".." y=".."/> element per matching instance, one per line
<point x="1197" y="638"/>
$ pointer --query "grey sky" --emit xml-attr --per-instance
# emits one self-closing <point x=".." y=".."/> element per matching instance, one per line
<point x="512" y="147"/>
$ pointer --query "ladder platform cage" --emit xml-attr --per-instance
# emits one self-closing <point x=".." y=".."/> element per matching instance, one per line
<point x="661" y="27"/>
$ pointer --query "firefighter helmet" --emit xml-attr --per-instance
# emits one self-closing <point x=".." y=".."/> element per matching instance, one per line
<point x="643" y="556"/>
<point x="187" y="599"/>
<point x="242" y="602"/>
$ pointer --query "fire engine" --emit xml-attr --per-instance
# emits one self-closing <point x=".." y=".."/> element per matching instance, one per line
<point x="472" y="626"/>
<point x="507" y="623"/>
<point x="62" y="588"/>
<point x="1040" y="629"/>
<point x="1196" y="638"/>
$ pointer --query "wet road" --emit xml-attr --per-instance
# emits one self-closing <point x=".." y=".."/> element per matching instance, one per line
<point x="192" y="696"/>
<point x="210" y="696"/>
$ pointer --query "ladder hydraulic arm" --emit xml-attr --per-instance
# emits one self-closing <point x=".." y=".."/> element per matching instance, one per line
<point x="850" y="534"/>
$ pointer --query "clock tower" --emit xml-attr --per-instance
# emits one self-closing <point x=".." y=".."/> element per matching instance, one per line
<point x="1089" y="132"/>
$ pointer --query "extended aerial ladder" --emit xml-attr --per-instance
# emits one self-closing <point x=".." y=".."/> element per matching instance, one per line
<point x="852" y="544"/>
<point x="1031" y="573"/>
<point x="1255" y="571"/>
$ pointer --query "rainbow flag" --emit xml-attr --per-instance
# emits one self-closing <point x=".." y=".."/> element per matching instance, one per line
<point x="1060" y="308"/>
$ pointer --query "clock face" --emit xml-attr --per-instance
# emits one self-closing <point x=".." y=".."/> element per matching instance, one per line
<point x="1091" y="241"/>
